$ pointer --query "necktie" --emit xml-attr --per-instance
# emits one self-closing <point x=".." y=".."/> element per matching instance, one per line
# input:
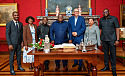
<point x="17" y="25"/>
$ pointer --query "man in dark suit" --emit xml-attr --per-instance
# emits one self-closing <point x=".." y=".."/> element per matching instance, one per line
<point x="77" y="28"/>
<point x="109" y="30"/>
<point x="14" y="36"/>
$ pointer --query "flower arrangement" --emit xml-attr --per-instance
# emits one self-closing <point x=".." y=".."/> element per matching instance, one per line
<point x="40" y="45"/>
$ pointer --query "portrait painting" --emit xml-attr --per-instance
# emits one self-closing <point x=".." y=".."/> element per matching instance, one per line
<point x="6" y="10"/>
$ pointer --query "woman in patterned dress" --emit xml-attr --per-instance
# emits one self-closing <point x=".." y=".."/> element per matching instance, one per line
<point x="29" y="36"/>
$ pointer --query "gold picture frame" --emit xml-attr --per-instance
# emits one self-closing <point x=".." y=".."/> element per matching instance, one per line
<point x="6" y="10"/>
<point x="52" y="13"/>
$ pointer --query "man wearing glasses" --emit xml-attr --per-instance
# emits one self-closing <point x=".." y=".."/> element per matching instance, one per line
<point x="77" y="28"/>
<point x="109" y="31"/>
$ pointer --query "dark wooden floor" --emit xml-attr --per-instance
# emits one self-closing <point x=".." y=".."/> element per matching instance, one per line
<point x="4" y="68"/>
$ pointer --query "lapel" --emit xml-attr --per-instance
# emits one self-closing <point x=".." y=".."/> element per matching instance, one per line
<point x="29" y="31"/>
<point x="74" y="20"/>
<point x="13" y="25"/>
<point x="19" y="25"/>
<point x="77" y="21"/>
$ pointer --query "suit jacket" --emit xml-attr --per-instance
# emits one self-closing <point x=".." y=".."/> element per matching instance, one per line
<point x="27" y="36"/>
<point x="79" y="28"/>
<point x="93" y="34"/>
<point x="14" y="35"/>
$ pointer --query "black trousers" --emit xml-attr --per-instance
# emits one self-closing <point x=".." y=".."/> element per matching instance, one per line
<point x="17" y="49"/>
<point x="109" y="46"/>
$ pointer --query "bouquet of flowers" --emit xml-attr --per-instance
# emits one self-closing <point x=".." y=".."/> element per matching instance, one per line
<point x="40" y="45"/>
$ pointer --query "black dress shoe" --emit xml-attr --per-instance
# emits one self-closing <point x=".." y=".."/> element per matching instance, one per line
<point x="114" y="73"/>
<point x="105" y="69"/>
<point x="74" y="65"/>
<point x="46" y="67"/>
<point x="65" y="68"/>
<point x="80" y="68"/>
<point x="57" y="68"/>
<point x="20" y="68"/>
<point x="12" y="72"/>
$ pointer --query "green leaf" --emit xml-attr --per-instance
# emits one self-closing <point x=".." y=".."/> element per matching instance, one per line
<point x="30" y="44"/>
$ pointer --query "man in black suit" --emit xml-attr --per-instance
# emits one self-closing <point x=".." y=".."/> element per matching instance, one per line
<point x="109" y="30"/>
<point x="14" y="36"/>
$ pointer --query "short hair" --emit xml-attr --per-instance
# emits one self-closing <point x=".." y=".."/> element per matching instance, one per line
<point x="45" y="17"/>
<point x="29" y="17"/>
<point x="91" y="18"/>
<point x="106" y="9"/>
<point x="60" y="14"/>
<point x="14" y="12"/>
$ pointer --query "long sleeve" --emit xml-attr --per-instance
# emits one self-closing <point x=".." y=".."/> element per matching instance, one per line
<point x="38" y="32"/>
<point x="98" y="36"/>
<point x="52" y="32"/>
<point x="85" y="35"/>
<point x="25" y="36"/>
<point x="82" y="28"/>
<point x="70" y="31"/>
<point x="8" y="31"/>
<point x="22" y="32"/>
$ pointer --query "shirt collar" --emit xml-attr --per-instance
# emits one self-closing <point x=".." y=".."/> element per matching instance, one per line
<point x="109" y="17"/>
<point x="15" y="21"/>
<point x="59" y="22"/>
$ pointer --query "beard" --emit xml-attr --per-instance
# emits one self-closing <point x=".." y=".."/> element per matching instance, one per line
<point x="106" y="16"/>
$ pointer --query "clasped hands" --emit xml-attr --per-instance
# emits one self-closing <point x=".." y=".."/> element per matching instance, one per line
<point x="74" y="34"/>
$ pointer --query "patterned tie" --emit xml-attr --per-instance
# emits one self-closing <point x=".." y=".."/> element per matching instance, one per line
<point x="17" y="26"/>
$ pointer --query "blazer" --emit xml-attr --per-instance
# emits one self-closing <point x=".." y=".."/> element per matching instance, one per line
<point x="14" y="35"/>
<point x="27" y="36"/>
<point x="79" y="28"/>
<point x="93" y="34"/>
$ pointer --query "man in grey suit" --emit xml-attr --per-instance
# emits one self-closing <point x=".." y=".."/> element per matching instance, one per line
<point x="14" y="36"/>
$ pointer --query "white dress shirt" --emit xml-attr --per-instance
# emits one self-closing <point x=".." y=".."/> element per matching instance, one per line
<point x="15" y="23"/>
<point x="76" y="20"/>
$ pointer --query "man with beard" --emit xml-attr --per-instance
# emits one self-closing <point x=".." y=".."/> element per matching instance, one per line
<point x="43" y="30"/>
<point x="14" y="36"/>
<point x="109" y="31"/>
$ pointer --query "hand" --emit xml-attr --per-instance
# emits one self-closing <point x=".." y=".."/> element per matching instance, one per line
<point x="22" y="44"/>
<point x="10" y="47"/>
<point x="116" y="43"/>
<point x="52" y="42"/>
<point x="70" y="41"/>
<point x="26" y="47"/>
<point x="74" y="34"/>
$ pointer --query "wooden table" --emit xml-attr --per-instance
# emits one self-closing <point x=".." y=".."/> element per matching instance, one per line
<point x="40" y="57"/>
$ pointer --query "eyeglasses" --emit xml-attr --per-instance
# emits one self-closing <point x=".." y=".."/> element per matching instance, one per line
<point x="105" y="12"/>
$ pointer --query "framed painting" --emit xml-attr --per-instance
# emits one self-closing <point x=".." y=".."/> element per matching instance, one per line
<point x="6" y="10"/>
<point x="51" y="5"/>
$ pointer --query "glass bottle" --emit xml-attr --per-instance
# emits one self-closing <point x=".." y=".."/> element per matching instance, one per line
<point x="46" y="44"/>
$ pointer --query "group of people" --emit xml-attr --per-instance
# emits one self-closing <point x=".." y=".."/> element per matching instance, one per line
<point x="60" y="32"/>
